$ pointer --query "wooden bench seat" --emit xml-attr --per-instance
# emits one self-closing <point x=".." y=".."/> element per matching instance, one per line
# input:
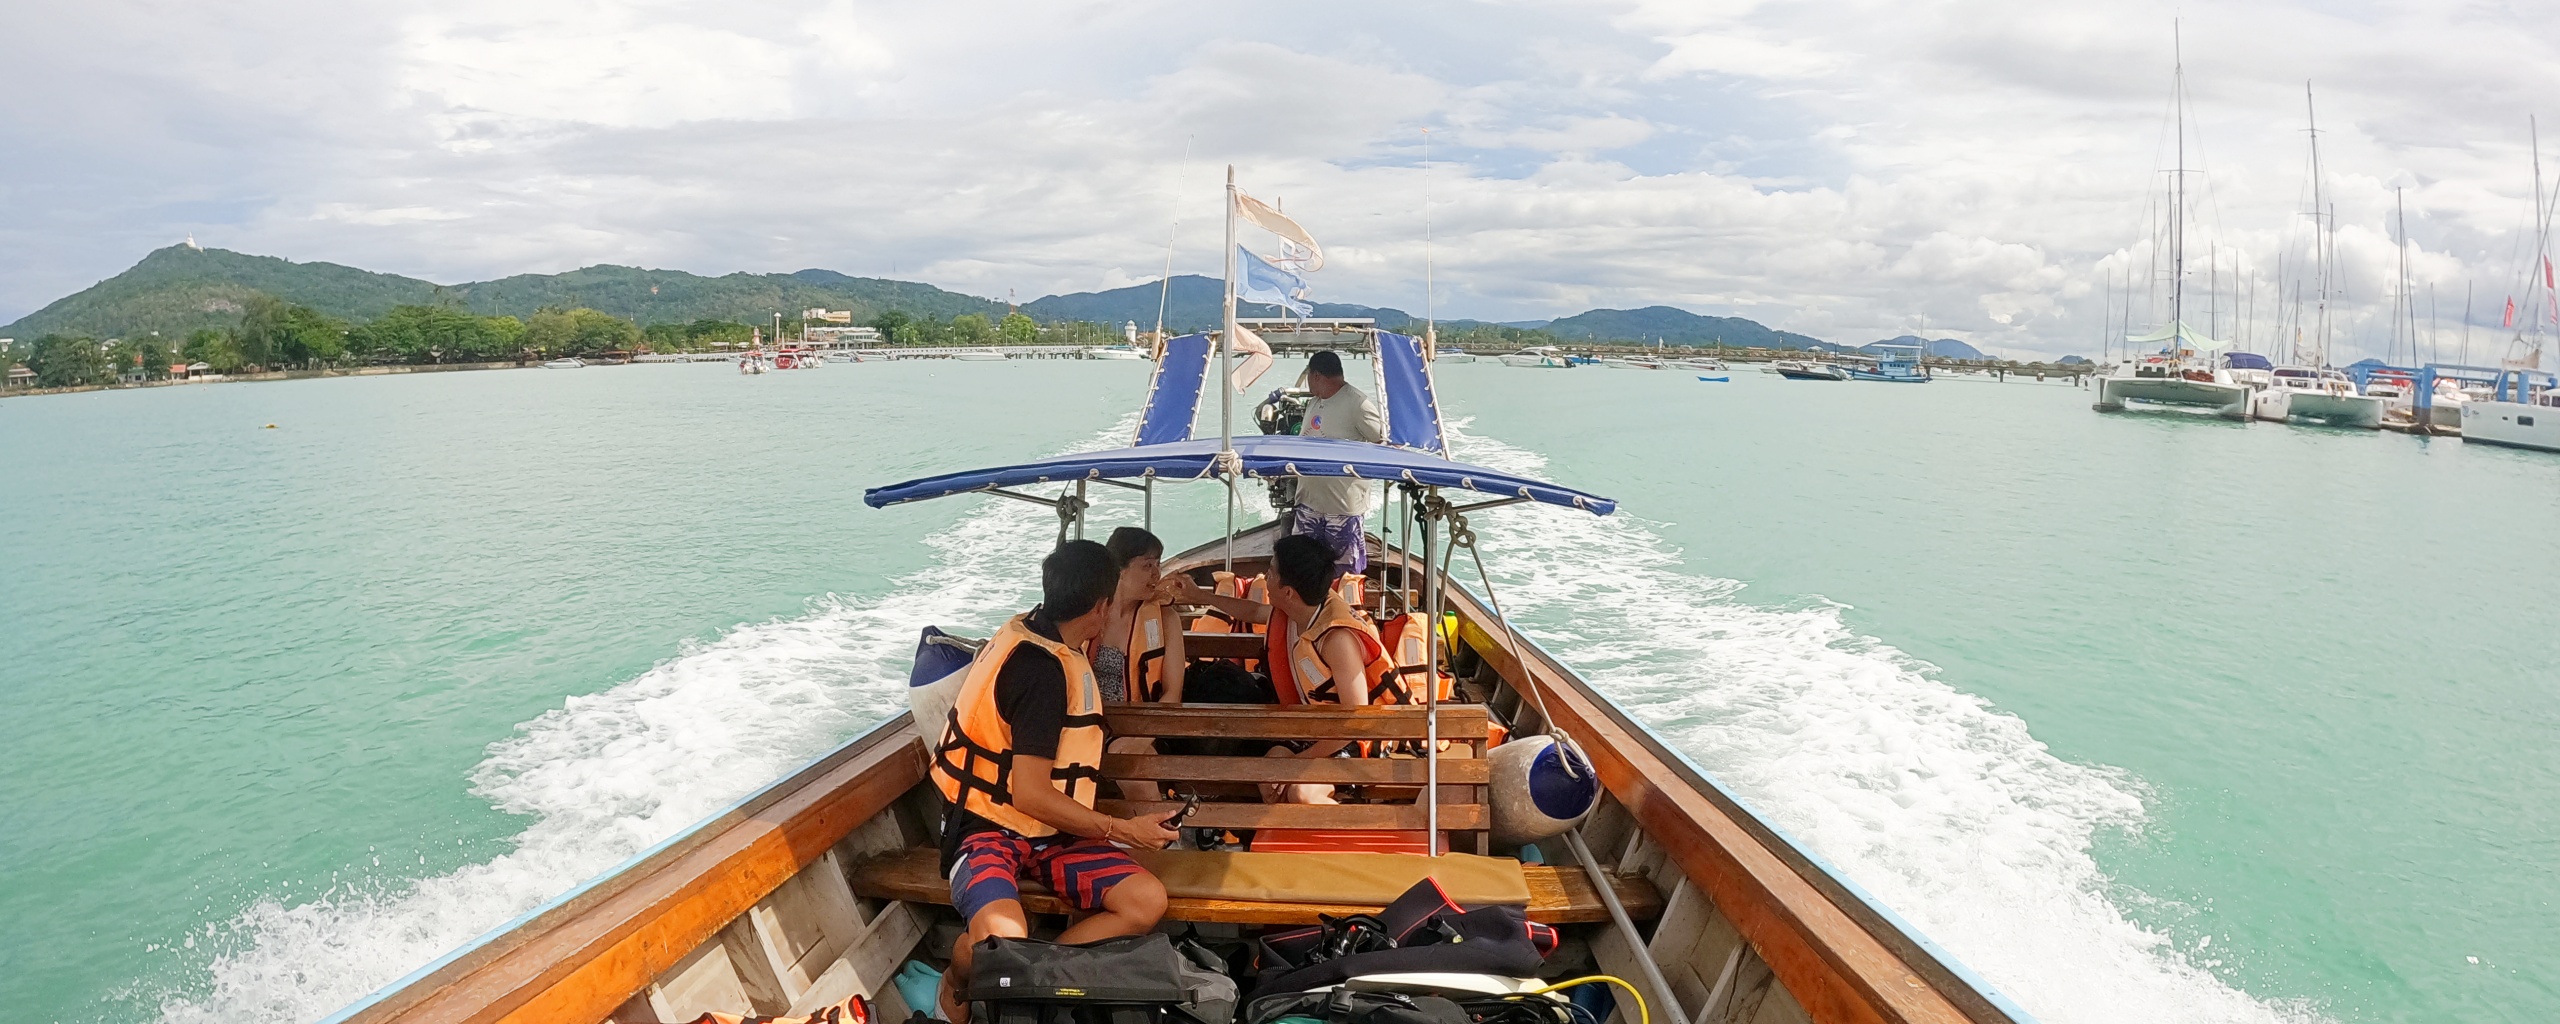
<point x="1394" y="783"/>
<point x="1557" y="895"/>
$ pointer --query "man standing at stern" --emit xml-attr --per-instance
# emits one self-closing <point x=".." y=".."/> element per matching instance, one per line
<point x="1330" y="508"/>
<point x="1019" y="762"/>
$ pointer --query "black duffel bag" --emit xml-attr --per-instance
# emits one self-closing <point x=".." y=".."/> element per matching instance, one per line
<point x="1423" y="931"/>
<point x="1135" y="979"/>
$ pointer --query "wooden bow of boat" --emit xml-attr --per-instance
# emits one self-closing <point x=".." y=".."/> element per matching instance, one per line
<point x="822" y="885"/>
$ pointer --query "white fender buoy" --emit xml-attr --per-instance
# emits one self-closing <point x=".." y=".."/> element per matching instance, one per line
<point x="942" y="662"/>
<point x="1540" y="789"/>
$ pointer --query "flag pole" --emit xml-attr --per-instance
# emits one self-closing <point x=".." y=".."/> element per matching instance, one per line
<point x="1226" y="368"/>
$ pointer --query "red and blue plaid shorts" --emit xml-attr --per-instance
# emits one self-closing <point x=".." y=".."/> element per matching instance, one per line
<point x="1079" y="870"/>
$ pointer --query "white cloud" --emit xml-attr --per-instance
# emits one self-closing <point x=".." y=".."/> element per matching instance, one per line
<point x="1849" y="170"/>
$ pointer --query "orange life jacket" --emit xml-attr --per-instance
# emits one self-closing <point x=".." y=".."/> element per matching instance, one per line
<point x="1146" y="652"/>
<point x="1301" y="660"/>
<point x="1404" y="637"/>
<point x="973" y="764"/>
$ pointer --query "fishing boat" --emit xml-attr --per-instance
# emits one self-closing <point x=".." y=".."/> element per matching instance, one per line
<point x="2303" y="394"/>
<point x="1892" y="366"/>
<point x="1799" y="369"/>
<point x="1540" y="357"/>
<point x="819" y="889"/>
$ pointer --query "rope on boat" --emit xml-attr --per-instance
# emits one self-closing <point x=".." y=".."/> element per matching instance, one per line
<point x="1460" y="536"/>
<point x="1643" y="1015"/>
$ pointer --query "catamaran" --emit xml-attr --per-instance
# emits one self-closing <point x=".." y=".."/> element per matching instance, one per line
<point x="2181" y="370"/>
<point x="1520" y="784"/>
<point x="1892" y="366"/>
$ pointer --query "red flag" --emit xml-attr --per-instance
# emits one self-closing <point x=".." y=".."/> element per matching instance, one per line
<point x="2546" y="274"/>
<point x="2510" y="321"/>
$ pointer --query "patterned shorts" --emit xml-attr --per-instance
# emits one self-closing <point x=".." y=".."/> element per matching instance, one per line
<point x="1079" y="870"/>
<point x="1341" y="533"/>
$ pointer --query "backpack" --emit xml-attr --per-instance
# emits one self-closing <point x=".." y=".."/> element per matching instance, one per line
<point x="1134" y="979"/>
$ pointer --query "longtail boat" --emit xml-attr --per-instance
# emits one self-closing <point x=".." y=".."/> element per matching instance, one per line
<point x="822" y="885"/>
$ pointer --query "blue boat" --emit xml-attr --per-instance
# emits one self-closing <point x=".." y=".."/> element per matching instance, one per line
<point x="1716" y="380"/>
<point x="1891" y="368"/>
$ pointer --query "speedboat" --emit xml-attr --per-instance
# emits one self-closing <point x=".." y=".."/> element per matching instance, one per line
<point x="1539" y="356"/>
<point x="2303" y="394"/>
<point x="1704" y="364"/>
<point x="1799" y="369"/>
<point x="1516" y="783"/>
<point x="565" y="363"/>
<point x="2175" y="375"/>
<point x="978" y="355"/>
<point x="1454" y="355"/>
<point x="1113" y="352"/>
<point x="1633" y="363"/>
<point x="2521" y="411"/>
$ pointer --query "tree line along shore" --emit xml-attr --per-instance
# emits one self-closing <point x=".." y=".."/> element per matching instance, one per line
<point x="274" y="339"/>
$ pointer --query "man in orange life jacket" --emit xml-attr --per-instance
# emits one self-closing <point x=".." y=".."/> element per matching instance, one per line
<point x="1019" y="761"/>
<point x="1320" y="649"/>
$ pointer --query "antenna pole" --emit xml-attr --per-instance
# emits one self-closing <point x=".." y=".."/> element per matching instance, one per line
<point x="1164" y="297"/>
<point x="1430" y="298"/>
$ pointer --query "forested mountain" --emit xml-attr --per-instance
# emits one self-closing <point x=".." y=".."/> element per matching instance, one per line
<point x="1674" y="326"/>
<point x="180" y="288"/>
<point x="1942" y="348"/>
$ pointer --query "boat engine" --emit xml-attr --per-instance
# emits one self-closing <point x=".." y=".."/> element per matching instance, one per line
<point x="1284" y="411"/>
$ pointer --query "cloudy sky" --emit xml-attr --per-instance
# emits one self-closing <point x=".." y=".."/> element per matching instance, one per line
<point x="1850" y="170"/>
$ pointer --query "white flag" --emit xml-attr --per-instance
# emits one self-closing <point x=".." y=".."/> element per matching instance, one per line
<point x="1257" y="358"/>
<point x="1304" y="248"/>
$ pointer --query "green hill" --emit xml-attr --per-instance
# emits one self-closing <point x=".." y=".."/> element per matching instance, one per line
<point x="1193" y="305"/>
<point x="178" y="289"/>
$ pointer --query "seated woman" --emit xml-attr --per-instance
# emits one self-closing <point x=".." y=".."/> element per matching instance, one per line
<point x="1321" y="649"/>
<point x="1139" y="655"/>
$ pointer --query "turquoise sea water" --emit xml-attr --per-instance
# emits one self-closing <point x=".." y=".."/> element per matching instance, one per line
<point x="2144" y="717"/>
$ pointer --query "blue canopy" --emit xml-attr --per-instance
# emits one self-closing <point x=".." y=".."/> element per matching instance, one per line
<point x="1271" y="455"/>
<point x="1173" y="394"/>
<point x="1413" y="411"/>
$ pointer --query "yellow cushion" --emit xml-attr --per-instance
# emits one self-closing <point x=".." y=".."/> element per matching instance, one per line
<point x="1374" y="879"/>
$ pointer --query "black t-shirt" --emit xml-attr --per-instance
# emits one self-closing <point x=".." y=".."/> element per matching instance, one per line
<point x="1031" y="695"/>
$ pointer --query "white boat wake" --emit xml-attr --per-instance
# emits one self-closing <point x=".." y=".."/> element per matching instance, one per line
<point x="1937" y="804"/>
<point x="1944" y="808"/>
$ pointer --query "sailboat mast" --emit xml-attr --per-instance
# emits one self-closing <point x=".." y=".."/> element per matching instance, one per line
<point x="2320" y="240"/>
<point x="2178" y="192"/>
<point x="2400" y="307"/>
<point x="1226" y="372"/>
<point x="1430" y="298"/>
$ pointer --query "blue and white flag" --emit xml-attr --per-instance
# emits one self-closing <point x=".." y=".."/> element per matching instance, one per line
<point x="1258" y="280"/>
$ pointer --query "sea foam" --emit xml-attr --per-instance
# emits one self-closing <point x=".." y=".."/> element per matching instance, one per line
<point x="607" y="775"/>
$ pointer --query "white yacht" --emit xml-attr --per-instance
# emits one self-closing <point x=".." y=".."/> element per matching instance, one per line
<point x="2522" y="411"/>
<point x="1113" y="352"/>
<point x="1708" y="365"/>
<point x="1539" y="356"/>
<point x="2302" y="394"/>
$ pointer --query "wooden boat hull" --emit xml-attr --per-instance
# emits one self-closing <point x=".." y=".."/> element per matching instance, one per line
<point x="785" y="901"/>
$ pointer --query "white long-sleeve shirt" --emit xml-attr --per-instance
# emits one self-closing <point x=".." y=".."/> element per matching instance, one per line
<point x="1351" y="416"/>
